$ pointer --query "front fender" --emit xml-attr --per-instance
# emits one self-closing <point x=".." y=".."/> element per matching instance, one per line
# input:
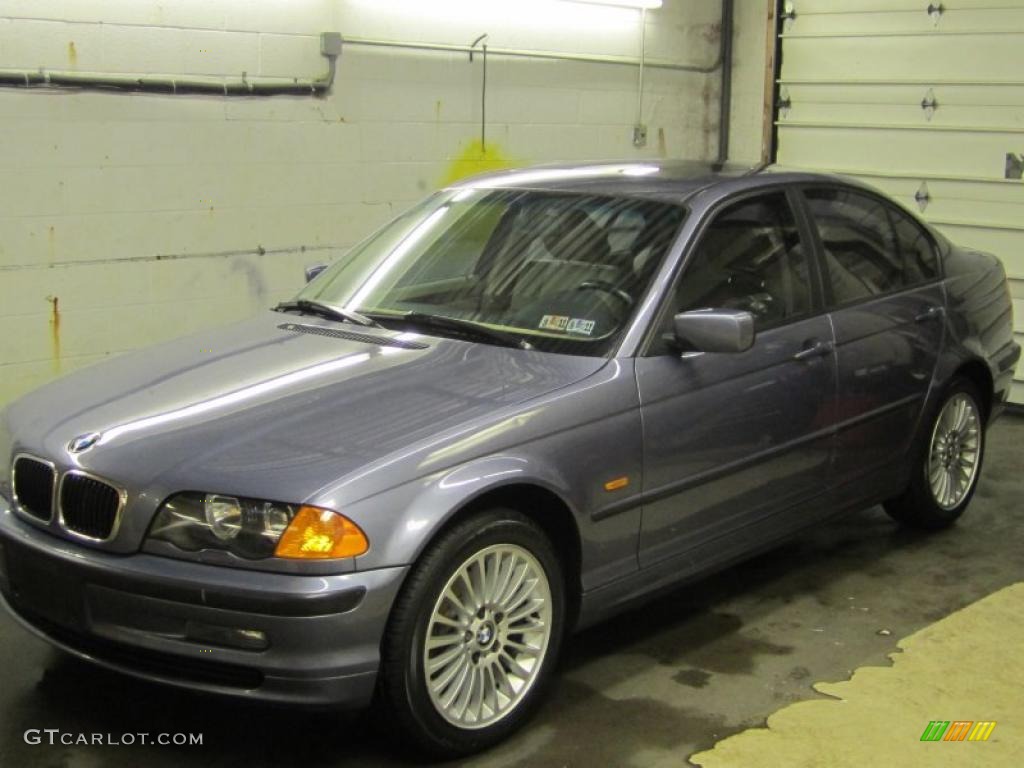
<point x="571" y="444"/>
<point x="401" y="522"/>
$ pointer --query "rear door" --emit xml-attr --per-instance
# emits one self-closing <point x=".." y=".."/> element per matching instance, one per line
<point x="733" y="443"/>
<point x="887" y="306"/>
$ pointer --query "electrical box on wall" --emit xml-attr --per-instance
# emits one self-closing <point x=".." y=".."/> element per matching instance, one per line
<point x="639" y="135"/>
<point x="330" y="44"/>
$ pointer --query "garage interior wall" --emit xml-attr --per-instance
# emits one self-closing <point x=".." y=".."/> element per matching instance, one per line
<point x="750" y="112"/>
<point x="130" y="218"/>
<point x="922" y="100"/>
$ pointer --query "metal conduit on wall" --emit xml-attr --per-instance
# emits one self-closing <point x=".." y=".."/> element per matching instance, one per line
<point x="330" y="48"/>
<point x="331" y="44"/>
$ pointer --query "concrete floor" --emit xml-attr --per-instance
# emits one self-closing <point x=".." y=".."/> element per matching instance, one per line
<point x="647" y="689"/>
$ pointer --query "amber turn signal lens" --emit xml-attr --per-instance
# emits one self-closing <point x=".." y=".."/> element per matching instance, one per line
<point x="320" y="534"/>
<point x="616" y="484"/>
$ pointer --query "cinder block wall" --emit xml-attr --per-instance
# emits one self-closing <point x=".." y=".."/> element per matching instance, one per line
<point x="126" y="219"/>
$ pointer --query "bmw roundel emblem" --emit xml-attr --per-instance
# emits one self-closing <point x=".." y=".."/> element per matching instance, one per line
<point x="84" y="442"/>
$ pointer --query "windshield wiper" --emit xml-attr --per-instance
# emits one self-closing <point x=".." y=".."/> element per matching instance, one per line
<point x="327" y="310"/>
<point x="459" y="326"/>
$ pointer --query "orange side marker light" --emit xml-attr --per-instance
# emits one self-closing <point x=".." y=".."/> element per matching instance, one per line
<point x="617" y="483"/>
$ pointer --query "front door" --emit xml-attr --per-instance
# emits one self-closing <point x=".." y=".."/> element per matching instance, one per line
<point x="734" y="443"/>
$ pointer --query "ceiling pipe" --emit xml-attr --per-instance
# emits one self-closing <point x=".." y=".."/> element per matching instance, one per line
<point x="639" y="129"/>
<point x="330" y="48"/>
<point x="483" y="89"/>
<point x="725" y="97"/>
<point x="527" y="53"/>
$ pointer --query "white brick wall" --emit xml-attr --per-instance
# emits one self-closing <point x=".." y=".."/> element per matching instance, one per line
<point x="94" y="187"/>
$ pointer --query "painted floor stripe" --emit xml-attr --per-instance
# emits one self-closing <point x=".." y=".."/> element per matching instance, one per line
<point x="878" y="716"/>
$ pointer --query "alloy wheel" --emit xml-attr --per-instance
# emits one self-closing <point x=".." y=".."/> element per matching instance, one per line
<point x="954" y="454"/>
<point x="487" y="636"/>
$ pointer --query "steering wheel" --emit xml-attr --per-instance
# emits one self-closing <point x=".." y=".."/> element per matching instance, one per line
<point x="606" y="287"/>
<point x="746" y="276"/>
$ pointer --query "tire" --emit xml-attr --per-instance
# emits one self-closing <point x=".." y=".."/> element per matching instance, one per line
<point x="502" y="633"/>
<point x="949" y="450"/>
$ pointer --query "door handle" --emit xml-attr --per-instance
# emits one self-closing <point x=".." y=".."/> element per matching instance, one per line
<point x="817" y="349"/>
<point x="931" y="313"/>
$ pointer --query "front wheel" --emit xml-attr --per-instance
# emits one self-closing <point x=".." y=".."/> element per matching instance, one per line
<point x="474" y="635"/>
<point x="947" y="464"/>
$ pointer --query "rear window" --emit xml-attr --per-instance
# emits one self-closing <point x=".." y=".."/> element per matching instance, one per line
<point x="870" y="248"/>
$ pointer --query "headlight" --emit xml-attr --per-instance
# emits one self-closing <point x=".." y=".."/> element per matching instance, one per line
<point x="256" y="529"/>
<point x="223" y="515"/>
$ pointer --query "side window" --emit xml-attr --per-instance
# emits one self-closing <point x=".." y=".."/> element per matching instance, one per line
<point x="917" y="250"/>
<point x="870" y="248"/>
<point x="749" y="258"/>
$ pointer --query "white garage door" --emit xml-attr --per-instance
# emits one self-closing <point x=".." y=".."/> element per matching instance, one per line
<point x="923" y="100"/>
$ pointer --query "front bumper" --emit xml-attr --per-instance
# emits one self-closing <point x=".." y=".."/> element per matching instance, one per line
<point x="311" y="640"/>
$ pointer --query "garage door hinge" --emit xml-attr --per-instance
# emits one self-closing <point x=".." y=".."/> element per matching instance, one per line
<point x="784" y="103"/>
<point x="935" y="10"/>
<point x="922" y="197"/>
<point x="788" y="15"/>
<point x="929" y="104"/>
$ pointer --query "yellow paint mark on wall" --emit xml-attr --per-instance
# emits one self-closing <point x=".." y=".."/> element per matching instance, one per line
<point x="55" y="332"/>
<point x="72" y="54"/>
<point x="476" y="158"/>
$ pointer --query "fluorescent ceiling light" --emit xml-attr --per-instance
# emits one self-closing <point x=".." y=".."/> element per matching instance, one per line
<point x="643" y="4"/>
<point x="470" y="17"/>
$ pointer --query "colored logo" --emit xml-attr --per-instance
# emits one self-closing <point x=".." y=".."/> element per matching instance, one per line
<point x="83" y="442"/>
<point x="958" y="730"/>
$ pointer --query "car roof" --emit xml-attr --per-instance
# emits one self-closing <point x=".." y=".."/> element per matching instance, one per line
<point x="666" y="180"/>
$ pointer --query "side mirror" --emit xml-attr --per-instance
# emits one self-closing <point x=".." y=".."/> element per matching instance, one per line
<point x="313" y="271"/>
<point x="715" y="330"/>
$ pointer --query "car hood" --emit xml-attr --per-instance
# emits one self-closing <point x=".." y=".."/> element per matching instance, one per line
<point x="276" y="406"/>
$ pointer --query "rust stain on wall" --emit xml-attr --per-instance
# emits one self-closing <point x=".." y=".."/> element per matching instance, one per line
<point x="72" y="54"/>
<point x="712" y="33"/>
<point x="662" y="144"/>
<point x="708" y="128"/>
<point x="55" y="332"/>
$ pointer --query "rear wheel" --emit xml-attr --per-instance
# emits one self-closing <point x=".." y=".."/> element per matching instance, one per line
<point x="474" y="635"/>
<point x="947" y="463"/>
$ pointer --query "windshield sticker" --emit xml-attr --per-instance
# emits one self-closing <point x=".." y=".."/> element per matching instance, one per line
<point x="578" y="325"/>
<point x="554" y="322"/>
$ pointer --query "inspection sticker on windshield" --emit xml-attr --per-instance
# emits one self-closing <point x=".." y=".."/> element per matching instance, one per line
<point x="554" y="322"/>
<point x="578" y="325"/>
<point x="567" y="324"/>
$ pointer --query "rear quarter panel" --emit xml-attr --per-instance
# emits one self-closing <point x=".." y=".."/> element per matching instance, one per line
<point x="980" y="319"/>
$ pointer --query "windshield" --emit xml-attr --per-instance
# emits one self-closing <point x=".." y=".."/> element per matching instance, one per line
<point x="563" y="272"/>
